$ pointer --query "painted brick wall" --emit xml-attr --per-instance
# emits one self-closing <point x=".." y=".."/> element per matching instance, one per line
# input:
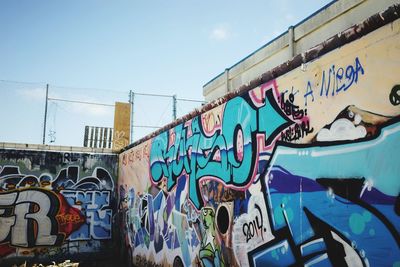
<point x="56" y="205"/>
<point x="303" y="169"/>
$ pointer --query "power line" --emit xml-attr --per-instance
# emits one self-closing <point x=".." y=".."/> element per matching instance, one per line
<point x="180" y="99"/>
<point x="62" y="86"/>
<point x="163" y="113"/>
<point x="156" y="95"/>
<point x="46" y="87"/>
<point x="73" y="101"/>
<point x="102" y="89"/>
<point x="180" y="110"/>
<point x="19" y="82"/>
<point x="146" y="126"/>
<point x="88" y="88"/>
<point x="191" y="100"/>
<point x="80" y="102"/>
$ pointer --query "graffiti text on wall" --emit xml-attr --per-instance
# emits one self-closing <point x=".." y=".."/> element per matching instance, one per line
<point x="30" y="208"/>
<point x="322" y="235"/>
<point x="336" y="80"/>
<point x="229" y="155"/>
<point x="240" y="185"/>
<point x="301" y="126"/>
<point x="42" y="211"/>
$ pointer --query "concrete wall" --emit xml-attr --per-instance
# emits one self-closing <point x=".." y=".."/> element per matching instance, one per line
<point x="55" y="203"/>
<point x="301" y="169"/>
<point x="334" y="18"/>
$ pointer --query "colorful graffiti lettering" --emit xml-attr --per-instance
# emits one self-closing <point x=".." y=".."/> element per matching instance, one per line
<point x="230" y="154"/>
<point x="267" y="179"/>
<point x="42" y="210"/>
<point x="290" y="186"/>
<point x="338" y="79"/>
<point x="301" y="127"/>
<point x="395" y="95"/>
<point x="367" y="203"/>
<point x="255" y="227"/>
<point x="96" y="207"/>
<point x="162" y="220"/>
<point x="22" y="210"/>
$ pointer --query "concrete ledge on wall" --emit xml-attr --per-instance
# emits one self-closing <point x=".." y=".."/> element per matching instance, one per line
<point x="4" y="145"/>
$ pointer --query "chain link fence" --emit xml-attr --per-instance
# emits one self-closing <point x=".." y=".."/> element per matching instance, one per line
<point x="70" y="110"/>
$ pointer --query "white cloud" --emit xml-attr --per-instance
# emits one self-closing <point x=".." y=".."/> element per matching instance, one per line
<point x="289" y="17"/>
<point x="342" y="129"/>
<point x="221" y="33"/>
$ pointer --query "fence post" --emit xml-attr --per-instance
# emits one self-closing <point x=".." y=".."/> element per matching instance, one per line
<point x="174" y="102"/>
<point x="131" y="100"/>
<point x="45" y="114"/>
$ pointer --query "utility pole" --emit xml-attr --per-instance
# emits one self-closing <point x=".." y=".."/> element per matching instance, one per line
<point x="131" y="100"/>
<point x="45" y="114"/>
<point x="174" y="100"/>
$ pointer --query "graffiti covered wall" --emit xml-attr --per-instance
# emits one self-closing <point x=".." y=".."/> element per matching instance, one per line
<point x="55" y="205"/>
<point x="302" y="170"/>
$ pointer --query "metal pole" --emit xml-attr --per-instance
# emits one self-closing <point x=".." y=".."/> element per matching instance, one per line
<point x="174" y="107"/>
<point x="131" y="100"/>
<point x="45" y="114"/>
<point x="227" y="80"/>
<point x="291" y="42"/>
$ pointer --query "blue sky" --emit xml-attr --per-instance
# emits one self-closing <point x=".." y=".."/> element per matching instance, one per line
<point x="162" y="47"/>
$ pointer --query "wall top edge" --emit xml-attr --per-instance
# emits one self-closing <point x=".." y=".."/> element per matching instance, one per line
<point x="40" y="147"/>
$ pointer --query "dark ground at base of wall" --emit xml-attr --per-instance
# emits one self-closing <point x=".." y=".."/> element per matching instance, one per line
<point x="103" y="263"/>
<point x="88" y="262"/>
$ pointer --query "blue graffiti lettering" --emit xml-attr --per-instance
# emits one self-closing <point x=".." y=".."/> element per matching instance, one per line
<point x="95" y="206"/>
<point x="228" y="155"/>
<point x="335" y="81"/>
